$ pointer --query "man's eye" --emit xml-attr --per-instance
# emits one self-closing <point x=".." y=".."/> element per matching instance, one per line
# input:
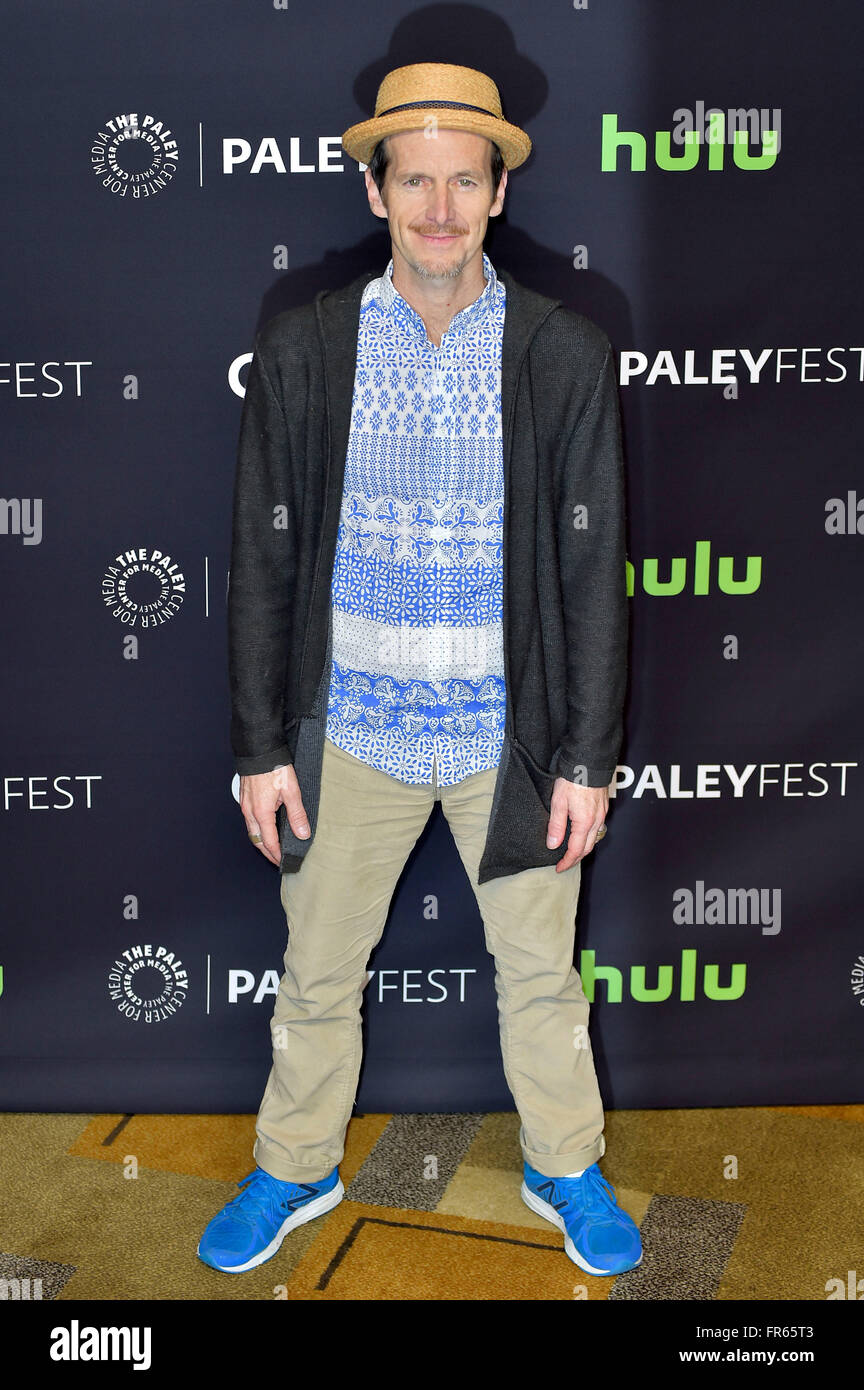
<point x="468" y="181"/>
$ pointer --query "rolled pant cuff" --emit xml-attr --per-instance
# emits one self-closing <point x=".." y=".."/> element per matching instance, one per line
<point x="558" y="1165"/>
<point x="279" y="1167"/>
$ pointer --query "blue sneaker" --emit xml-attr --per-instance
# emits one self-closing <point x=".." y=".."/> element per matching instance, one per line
<point x="251" y="1228"/>
<point x="598" y="1236"/>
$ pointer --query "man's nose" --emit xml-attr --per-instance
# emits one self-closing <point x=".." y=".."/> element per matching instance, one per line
<point x="439" y="208"/>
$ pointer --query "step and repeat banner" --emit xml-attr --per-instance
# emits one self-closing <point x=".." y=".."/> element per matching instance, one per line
<point x="172" y="178"/>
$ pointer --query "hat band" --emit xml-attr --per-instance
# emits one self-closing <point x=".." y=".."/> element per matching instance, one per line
<point x="453" y="105"/>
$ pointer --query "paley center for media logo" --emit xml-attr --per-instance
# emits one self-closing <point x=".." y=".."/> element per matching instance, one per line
<point x="134" y="155"/>
<point x="148" y="983"/>
<point x="143" y="587"/>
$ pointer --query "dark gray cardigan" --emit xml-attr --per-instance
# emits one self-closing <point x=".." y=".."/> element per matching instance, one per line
<point x="565" y="611"/>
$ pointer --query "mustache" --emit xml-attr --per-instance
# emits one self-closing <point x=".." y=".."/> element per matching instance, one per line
<point x="440" y="231"/>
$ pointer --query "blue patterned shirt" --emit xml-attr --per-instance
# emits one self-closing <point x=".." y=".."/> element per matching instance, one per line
<point x="417" y="679"/>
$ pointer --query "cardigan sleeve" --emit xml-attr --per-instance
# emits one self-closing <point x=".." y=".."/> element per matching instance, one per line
<point x="592" y="554"/>
<point x="263" y="550"/>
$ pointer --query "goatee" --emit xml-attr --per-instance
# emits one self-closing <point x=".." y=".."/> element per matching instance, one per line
<point x="448" y="270"/>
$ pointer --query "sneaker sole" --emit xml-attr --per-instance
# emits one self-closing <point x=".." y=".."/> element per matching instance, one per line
<point x="550" y="1214"/>
<point x="317" y="1207"/>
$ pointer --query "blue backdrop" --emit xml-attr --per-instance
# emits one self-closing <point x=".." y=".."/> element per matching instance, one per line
<point x="719" y="922"/>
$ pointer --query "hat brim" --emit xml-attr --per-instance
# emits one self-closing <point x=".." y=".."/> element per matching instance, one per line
<point x="360" y="140"/>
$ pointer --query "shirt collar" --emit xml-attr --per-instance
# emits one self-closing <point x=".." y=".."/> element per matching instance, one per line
<point x="466" y="320"/>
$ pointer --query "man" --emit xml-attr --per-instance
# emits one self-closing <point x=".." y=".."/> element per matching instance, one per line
<point x="427" y="601"/>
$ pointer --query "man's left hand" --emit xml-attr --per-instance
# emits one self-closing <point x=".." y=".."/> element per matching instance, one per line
<point x="586" y="809"/>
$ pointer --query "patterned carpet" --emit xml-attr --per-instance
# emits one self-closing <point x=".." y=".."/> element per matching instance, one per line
<point x="432" y="1208"/>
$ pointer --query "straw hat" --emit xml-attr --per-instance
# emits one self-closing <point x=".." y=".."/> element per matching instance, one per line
<point x="459" y="98"/>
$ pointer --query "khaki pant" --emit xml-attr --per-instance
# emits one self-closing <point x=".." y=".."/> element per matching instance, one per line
<point x="337" y="905"/>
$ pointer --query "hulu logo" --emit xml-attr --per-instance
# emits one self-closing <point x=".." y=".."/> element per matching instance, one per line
<point x="725" y="577"/>
<point x="613" y="139"/>
<point x="656" y="994"/>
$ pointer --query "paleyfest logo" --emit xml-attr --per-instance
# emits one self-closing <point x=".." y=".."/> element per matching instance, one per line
<point x="148" y="982"/>
<point x="143" y="588"/>
<point x="134" y="156"/>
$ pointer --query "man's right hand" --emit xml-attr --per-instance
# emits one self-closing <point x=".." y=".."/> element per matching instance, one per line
<point x="259" y="797"/>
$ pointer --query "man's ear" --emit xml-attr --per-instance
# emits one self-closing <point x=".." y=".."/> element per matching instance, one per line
<point x="376" y="202"/>
<point x="498" y="204"/>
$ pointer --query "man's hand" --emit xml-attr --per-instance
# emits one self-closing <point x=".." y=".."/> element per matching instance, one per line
<point x="586" y="808"/>
<point x="259" y="797"/>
